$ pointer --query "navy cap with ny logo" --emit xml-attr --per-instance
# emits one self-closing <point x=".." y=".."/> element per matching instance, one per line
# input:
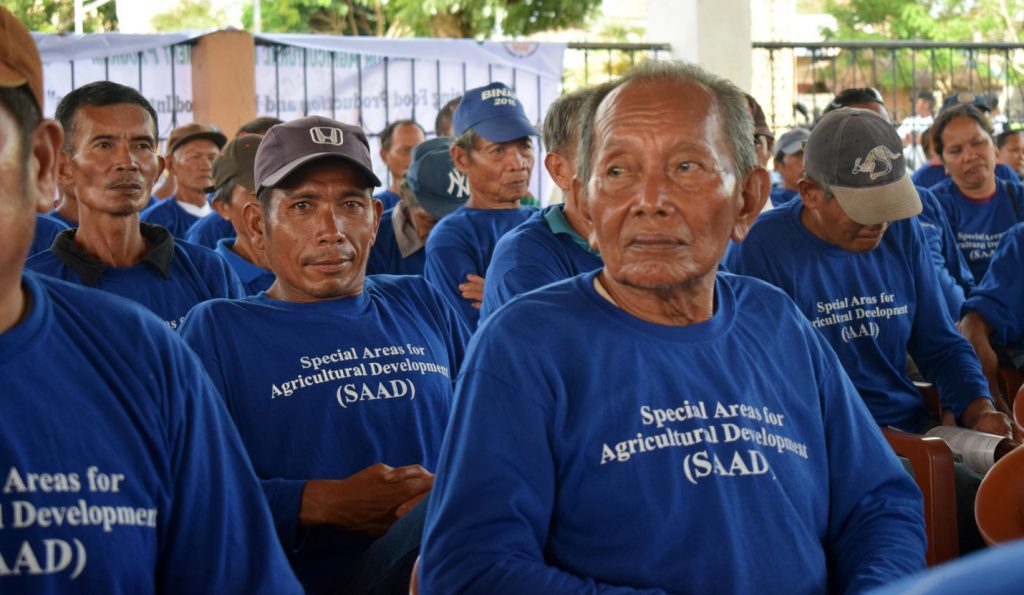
<point x="439" y="187"/>
<point x="288" y="146"/>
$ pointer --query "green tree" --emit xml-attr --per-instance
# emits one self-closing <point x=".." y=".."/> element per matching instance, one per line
<point x="58" y="16"/>
<point x="425" y="18"/>
<point x="930" y="20"/>
<point x="189" y="14"/>
<point x="938" y="20"/>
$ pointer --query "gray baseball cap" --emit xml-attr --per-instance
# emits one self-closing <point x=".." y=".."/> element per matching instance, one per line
<point x="439" y="186"/>
<point x="236" y="162"/>
<point x="792" y="142"/>
<point x="860" y="156"/>
<point x="287" y="147"/>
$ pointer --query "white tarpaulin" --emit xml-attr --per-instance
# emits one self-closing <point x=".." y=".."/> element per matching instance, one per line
<point x="365" y="80"/>
<point x="371" y="81"/>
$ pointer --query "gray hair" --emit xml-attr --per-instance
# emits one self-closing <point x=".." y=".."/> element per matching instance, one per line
<point x="406" y="193"/>
<point x="737" y="123"/>
<point x="562" y="122"/>
<point x="467" y="141"/>
<point x="826" y="188"/>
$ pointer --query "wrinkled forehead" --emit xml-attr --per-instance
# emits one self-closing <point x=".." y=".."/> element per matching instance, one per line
<point x="125" y="119"/>
<point x="671" y="110"/>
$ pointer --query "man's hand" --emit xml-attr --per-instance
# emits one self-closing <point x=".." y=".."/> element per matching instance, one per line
<point x="976" y="330"/>
<point x="982" y="416"/>
<point x="369" y="501"/>
<point x="473" y="289"/>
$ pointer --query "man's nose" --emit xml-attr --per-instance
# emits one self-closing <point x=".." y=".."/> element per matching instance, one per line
<point x="653" y="189"/>
<point x="329" y="227"/>
<point x="125" y="159"/>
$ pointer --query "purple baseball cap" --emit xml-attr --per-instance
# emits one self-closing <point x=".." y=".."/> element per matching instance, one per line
<point x="287" y="147"/>
<point x="494" y="112"/>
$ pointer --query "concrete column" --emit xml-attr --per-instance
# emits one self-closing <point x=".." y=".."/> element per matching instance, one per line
<point x="713" y="33"/>
<point x="224" y="80"/>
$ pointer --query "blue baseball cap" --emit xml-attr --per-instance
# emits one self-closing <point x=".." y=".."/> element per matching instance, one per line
<point x="439" y="186"/>
<point x="494" y="112"/>
<point x="974" y="99"/>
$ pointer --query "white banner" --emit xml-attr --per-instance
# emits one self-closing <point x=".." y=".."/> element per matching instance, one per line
<point x="371" y="82"/>
<point x="363" y="80"/>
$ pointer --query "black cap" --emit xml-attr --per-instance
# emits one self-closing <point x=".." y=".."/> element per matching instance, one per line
<point x="287" y="147"/>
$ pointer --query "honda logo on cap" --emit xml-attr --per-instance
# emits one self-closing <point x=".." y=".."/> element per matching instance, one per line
<point x="325" y="135"/>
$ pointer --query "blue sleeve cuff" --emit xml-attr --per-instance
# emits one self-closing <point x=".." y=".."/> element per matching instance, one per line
<point x="285" y="499"/>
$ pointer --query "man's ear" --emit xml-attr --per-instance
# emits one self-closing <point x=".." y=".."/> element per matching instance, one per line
<point x="756" y="187"/>
<point x="43" y="164"/>
<point x="461" y="158"/>
<point x="253" y="215"/>
<point x="223" y="209"/>
<point x="378" y="209"/>
<point x="169" y="165"/>
<point x="810" y="193"/>
<point x="559" y="170"/>
<point x="577" y="194"/>
<point x="161" y="165"/>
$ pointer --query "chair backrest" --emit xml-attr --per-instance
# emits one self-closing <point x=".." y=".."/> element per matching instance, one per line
<point x="933" y="403"/>
<point x="1018" y="406"/>
<point x="414" y="580"/>
<point x="999" y="507"/>
<point x="932" y="461"/>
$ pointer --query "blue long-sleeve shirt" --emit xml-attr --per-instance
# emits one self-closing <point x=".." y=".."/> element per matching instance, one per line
<point x="122" y="470"/>
<point x="634" y="457"/>
<point x="542" y="250"/>
<point x="873" y="308"/>
<point x="323" y="390"/>
<point x="461" y="244"/>
<point x="999" y="297"/>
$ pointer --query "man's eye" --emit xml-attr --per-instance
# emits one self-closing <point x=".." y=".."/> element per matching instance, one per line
<point x="300" y="205"/>
<point x="615" y="171"/>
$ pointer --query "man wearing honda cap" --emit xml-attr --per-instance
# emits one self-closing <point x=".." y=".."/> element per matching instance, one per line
<point x="109" y="160"/>
<point x="339" y="383"/>
<point x="854" y="261"/>
<point x="494" y="149"/>
<point x="234" y="189"/>
<point x="122" y="472"/>
<point x="429" y="192"/>
<point x="191" y="150"/>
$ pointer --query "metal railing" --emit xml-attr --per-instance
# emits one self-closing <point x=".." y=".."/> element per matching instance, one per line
<point x="591" y="63"/>
<point x="794" y="82"/>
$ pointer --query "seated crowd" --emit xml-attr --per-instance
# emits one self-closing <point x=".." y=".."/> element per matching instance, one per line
<point x="279" y="379"/>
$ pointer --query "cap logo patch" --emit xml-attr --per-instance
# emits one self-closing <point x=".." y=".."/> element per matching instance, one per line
<point x="500" y="93"/>
<point x="878" y="163"/>
<point x="326" y="135"/>
<point x="457" y="181"/>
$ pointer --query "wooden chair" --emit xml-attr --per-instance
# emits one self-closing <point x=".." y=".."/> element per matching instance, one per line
<point x="933" y="403"/>
<point x="932" y="461"/>
<point x="1018" y="406"/>
<point x="414" y="580"/>
<point x="999" y="508"/>
<point x="1012" y="381"/>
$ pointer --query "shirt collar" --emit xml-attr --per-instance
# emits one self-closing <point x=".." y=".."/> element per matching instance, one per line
<point x="405" y="232"/>
<point x="246" y="270"/>
<point x="560" y="225"/>
<point x="159" y="253"/>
